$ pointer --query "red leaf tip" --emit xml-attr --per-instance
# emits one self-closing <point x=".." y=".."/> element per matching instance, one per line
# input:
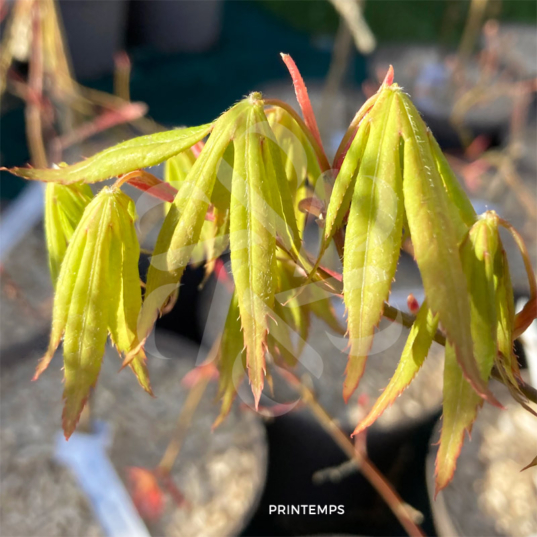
<point x="388" y="79"/>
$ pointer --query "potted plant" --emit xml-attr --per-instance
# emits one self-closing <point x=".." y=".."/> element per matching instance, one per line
<point x="237" y="185"/>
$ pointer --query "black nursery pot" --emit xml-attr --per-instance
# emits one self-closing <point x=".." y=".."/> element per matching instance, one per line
<point x="176" y="25"/>
<point x="299" y="447"/>
<point x="95" y="31"/>
<point x="182" y="319"/>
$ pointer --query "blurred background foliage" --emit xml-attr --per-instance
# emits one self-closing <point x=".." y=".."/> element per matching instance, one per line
<point x="193" y="88"/>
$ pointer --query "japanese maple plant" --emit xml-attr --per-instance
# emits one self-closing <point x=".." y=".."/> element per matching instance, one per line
<point x="238" y="185"/>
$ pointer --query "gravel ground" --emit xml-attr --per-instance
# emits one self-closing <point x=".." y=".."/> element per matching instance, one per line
<point x="221" y="474"/>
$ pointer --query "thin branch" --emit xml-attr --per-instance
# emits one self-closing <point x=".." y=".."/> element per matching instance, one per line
<point x="183" y="423"/>
<point x="400" y="509"/>
<point x="34" y="106"/>
<point x="187" y="412"/>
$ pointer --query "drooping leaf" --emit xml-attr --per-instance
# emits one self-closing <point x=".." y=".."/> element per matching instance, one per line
<point x="461" y="403"/>
<point x="183" y="223"/>
<point x="98" y="291"/>
<point x="435" y="240"/>
<point x="505" y="309"/>
<point x="298" y="155"/>
<point x="341" y="196"/>
<point x="232" y="363"/>
<point x="416" y="349"/>
<point x="86" y="329"/>
<point x="122" y="158"/>
<point x="253" y="243"/>
<point x="280" y="193"/>
<point x="64" y="206"/>
<point x="125" y="278"/>
<point x="67" y="279"/>
<point x="528" y="314"/>
<point x="218" y="240"/>
<point x="459" y="412"/>
<point x="177" y="167"/>
<point x="289" y="323"/>
<point x="464" y="217"/>
<point x="373" y="236"/>
<point x="176" y="170"/>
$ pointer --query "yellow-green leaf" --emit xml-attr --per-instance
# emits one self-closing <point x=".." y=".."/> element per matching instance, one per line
<point x="64" y="206"/>
<point x="253" y="244"/>
<point x="461" y="403"/>
<point x="182" y="227"/>
<point x="280" y="193"/>
<point x="461" y="209"/>
<point x="67" y="280"/>
<point x="435" y="240"/>
<point x="218" y="238"/>
<point x="460" y="409"/>
<point x="232" y="363"/>
<point x="373" y="235"/>
<point x="289" y="321"/>
<point x="416" y="349"/>
<point x="125" y="278"/>
<point x="505" y="308"/>
<point x="86" y="329"/>
<point x="176" y="170"/>
<point x="341" y="196"/>
<point x="122" y="158"/>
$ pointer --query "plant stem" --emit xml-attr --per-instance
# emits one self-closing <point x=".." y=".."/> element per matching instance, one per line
<point x="34" y="103"/>
<point x="476" y="13"/>
<point x="185" y="417"/>
<point x="183" y="423"/>
<point x="364" y="464"/>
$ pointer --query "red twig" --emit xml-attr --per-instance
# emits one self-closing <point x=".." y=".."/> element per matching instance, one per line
<point x="147" y="182"/>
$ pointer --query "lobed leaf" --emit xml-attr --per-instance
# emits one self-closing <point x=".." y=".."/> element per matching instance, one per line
<point x="86" y="329"/>
<point x="183" y="223"/>
<point x="218" y="236"/>
<point x="461" y="403"/>
<point x="505" y="308"/>
<point x="232" y="363"/>
<point x="459" y="412"/>
<point x="289" y="321"/>
<point x="64" y="206"/>
<point x="461" y="209"/>
<point x="416" y="349"/>
<point x="373" y="235"/>
<point x="125" y="157"/>
<point x="341" y="196"/>
<point x="435" y="240"/>
<point x="67" y="280"/>
<point x="176" y="170"/>
<point x="124" y="277"/>
<point x="253" y="243"/>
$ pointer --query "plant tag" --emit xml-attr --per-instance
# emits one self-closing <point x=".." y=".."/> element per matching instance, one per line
<point x="85" y="454"/>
